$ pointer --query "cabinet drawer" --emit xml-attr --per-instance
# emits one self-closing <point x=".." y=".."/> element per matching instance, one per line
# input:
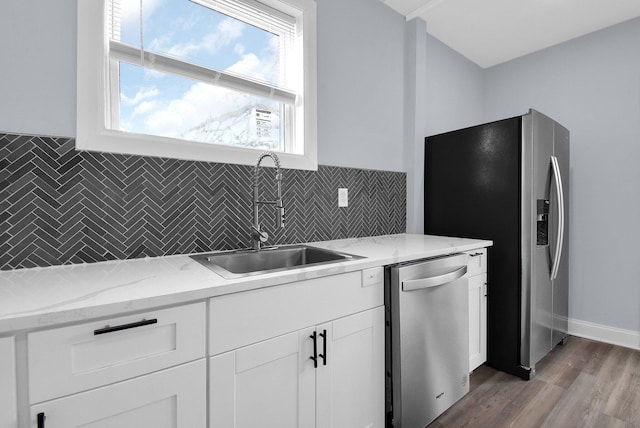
<point x="171" y="398"/>
<point x="76" y="358"/>
<point x="241" y="319"/>
<point x="477" y="262"/>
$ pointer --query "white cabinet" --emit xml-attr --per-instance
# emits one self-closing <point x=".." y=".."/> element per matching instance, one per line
<point x="146" y="369"/>
<point x="71" y="359"/>
<point x="152" y="369"/>
<point x="350" y="387"/>
<point x="477" y="277"/>
<point x="331" y="375"/>
<point x="171" y="398"/>
<point x="270" y="384"/>
<point x="263" y="373"/>
<point x="477" y="321"/>
<point x="8" y="417"/>
<point x="240" y="319"/>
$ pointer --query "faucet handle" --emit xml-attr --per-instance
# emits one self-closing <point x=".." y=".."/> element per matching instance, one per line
<point x="256" y="233"/>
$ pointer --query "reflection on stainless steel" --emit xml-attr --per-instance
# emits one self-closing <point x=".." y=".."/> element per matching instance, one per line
<point x="240" y="263"/>
<point x="516" y="172"/>
<point x="259" y="236"/>
<point x="427" y="338"/>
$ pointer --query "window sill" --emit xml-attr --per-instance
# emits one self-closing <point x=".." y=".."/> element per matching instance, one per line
<point x="143" y="145"/>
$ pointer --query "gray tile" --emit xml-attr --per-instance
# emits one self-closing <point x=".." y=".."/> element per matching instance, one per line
<point x="62" y="206"/>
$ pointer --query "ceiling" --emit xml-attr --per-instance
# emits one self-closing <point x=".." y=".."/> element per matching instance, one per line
<point x="489" y="32"/>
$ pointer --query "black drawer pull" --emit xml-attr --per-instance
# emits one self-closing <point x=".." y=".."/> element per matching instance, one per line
<point x="323" y="335"/>
<point x="475" y="254"/>
<point x="315" y="350"/>
<point x="109" y="329"/>
<point x="41" y="418"/>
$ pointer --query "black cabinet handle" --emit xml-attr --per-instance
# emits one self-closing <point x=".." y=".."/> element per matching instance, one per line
<point x="315" y="350"/>
<point x="324" y="347"/>
<point x="41" y="420"/>
<point x="109" y="329"/>
<point x="475" y="254"/>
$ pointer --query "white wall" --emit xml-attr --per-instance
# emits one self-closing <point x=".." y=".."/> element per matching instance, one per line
<point x="38" y="73"/>
<point x="592" y="86"/>
<point x="449" y="96"/>
<point x="360" y="77"/>
<point x="360" y="84"/>
<point x="455" y="89"/>
<point x="415" y="120"/>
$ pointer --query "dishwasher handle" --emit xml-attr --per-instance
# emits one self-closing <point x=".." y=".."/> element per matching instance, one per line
<point x="434" y="281"/>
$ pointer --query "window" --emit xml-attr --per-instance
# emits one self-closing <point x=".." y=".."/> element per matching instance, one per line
<point x="212" y="80"/>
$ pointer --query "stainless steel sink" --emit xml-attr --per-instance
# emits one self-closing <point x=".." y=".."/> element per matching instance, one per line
<point x="240" y="263"/>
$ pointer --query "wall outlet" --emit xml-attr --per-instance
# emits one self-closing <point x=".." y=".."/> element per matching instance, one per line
<point x="343" y="197"/>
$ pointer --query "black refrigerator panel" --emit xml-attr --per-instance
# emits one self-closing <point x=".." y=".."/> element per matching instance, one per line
<point x="473" y="189"/>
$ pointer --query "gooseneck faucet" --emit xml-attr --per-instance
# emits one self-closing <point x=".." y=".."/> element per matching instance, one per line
<point x="257" y="235"/>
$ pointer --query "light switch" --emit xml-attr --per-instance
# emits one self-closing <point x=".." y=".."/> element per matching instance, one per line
<point x="343" y="197"/>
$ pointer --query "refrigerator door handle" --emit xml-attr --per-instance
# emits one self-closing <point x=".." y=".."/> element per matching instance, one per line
<point x="560" y="236"/>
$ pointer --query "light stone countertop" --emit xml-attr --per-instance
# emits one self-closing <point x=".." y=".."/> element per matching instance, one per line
<point x="44" y="297"/>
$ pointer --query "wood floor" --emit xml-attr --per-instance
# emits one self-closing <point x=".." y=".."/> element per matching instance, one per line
<point x="580" y="384"/>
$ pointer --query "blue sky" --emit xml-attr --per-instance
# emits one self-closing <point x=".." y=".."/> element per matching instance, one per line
<point x="162" y="104"/>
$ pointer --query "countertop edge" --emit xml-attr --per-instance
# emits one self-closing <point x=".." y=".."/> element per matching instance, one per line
<point x="48" y="318"/>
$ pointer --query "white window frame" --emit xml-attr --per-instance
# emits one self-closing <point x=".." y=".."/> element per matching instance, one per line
<point x="92" y="133"/>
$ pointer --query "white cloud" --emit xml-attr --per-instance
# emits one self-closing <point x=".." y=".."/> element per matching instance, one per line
<point x="198" y="103"/>
<point x="131" y="10"/>
<point x="151" y="74"/>
<point x="146" y="107"/>
<point x="142" y="94"/>
<point x="225" y="33"/>
<point x="231" y="28"/>
<point x="264" y="69"/>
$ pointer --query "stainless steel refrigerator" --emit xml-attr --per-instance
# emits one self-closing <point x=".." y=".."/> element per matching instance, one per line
<point x="508" y="181"/>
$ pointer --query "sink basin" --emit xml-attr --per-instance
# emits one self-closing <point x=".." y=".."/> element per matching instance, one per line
<point x="240" y="263"/>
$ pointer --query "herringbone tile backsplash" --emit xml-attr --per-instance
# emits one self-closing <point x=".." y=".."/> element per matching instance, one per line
<point x="62" y="206"/>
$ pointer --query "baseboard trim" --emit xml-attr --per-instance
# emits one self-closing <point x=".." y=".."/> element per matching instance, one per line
<point x="606" y="334"/>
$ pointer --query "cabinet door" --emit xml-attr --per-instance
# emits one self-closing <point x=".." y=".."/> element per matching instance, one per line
<point x="477" y="321"/>
<point x="7" y="384"/>
<point x="350" y="387"/>
<point x="172" y="398"/>
<point x="269" y="384"/>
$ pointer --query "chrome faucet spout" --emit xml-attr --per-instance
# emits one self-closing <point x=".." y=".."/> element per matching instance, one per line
<point x="258" y="236"/>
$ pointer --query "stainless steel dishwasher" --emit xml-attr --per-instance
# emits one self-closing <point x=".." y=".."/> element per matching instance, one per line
<point x="427" y="339"/>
